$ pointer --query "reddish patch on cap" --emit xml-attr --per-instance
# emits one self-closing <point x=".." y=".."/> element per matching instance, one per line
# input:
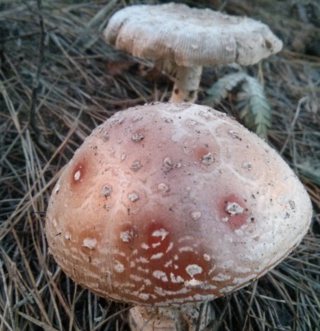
<point x="79" y="173"/>
<point x="168" y="256"/>
<point x="200" y="152"/>
<point x="158" y="235"/>
<point x="233" y="221"/>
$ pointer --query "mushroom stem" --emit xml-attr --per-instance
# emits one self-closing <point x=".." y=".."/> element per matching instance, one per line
<point x="186" y="85"/>
<point x="189" y="317"/>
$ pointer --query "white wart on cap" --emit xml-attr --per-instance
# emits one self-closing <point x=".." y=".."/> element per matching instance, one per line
<point x="172" y="203"/>
<point x="191" y="38"/>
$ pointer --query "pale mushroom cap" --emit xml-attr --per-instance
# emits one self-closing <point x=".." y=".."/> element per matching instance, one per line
<point x="190" y="36"/>
<point x="174" y="203"/>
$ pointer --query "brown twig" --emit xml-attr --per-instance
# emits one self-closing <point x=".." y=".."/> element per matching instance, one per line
<point x="33" y="122"/>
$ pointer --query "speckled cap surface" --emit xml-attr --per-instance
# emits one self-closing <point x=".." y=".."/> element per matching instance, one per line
<point x="174" y="203"/>
<point x="190" y="36"/>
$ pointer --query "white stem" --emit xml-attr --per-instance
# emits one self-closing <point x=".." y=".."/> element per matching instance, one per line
<point x="185" y="317"/>
<point x="186" y="85"/>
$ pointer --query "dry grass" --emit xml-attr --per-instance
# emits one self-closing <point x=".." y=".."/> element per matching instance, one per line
<point x="56" y="85"/>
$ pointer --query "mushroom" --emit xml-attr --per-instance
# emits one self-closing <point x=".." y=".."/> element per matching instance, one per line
<point x="190" y="38"/>
<point x="173" y="204"/>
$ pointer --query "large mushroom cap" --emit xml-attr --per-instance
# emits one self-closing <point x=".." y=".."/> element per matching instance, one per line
<point x="190" y="36"/>
<point x="174" y="203"/>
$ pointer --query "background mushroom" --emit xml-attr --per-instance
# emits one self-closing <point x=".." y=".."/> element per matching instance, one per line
<point x="190" y="38"/>
<point x="171" y="204"/>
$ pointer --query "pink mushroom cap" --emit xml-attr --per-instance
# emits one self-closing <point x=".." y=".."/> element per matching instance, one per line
<point x="166" y="204"/>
